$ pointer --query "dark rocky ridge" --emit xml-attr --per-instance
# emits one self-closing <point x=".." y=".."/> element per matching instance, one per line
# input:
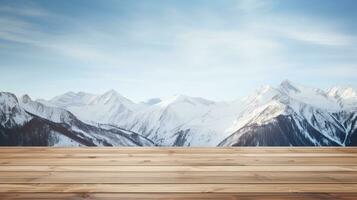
<point x="284" y="130"/>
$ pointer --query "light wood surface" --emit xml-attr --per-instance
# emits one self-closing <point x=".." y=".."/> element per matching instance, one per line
<point x="178" y="173"/>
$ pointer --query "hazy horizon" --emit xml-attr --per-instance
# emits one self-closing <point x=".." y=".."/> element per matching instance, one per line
<point x="148" y="98"/>
<point x="218" y="50"/>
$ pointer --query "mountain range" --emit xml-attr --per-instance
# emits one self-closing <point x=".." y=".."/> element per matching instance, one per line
<point x="287" y="115"/>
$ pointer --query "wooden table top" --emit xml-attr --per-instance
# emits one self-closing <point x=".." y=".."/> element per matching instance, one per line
<point x="178" y="173"/>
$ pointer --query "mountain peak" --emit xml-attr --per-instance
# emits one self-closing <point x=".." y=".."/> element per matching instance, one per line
<point x="180" y="98"/>
<point x="8" y="97"/>
<point x="288" y="86"/>
<point x="70" y="99"/>
<point x="26" y="98"/>
<point x="112" y="97"/>
<point x="111" y="91"/>
<point x="83" y="93"/>
<point x="344" y="92"/>
<point x="69" y="93"/>
<point x="11" y="113"/>
<point x="112" y="94"/>
<point x="264" y="89"/>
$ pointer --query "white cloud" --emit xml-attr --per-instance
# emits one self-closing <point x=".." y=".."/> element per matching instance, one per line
<point x="20" y="31"/>
<point x="30" y="11"/>
<point x="172" y="55"/>
<point x="328" y="71"/>
<point x="317" y="36"/>
<point x="305" y="30"/>
<point x="253" y="5"/>
<point x="207" y="47"/>
<point x="15" y="30"/>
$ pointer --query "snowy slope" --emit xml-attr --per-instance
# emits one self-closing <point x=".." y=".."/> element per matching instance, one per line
<point x="312" y="96"/>
<point x="315" y="116"/>
<point x="108" y="108"/>
<point x="293" y="115"/>
<point x="11" y="114"/>
<point x="178" y="120"/>
<point x="70" y="99"/>
<point x="345" y="95"/>
<point x="183" y="121"/>
<point x="53" y="114"/>
<point x="33" y="123"/>
<point x="17" y="127"/>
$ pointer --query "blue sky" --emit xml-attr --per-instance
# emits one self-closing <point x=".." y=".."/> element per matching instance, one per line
<point x="217" y="49"/>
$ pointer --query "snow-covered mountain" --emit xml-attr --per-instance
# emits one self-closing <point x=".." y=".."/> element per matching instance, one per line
<point x="11" y="114"/>
<point x="289" y="114"/>
<point x="108" y="108"/>
<point x="70" y="99"/>
<point x="346" y="96"/>
<point x="32" y="123"/>
<point x="175" y="121"/>
<point x="183" y="121"/>
<point x="295" y="115"/>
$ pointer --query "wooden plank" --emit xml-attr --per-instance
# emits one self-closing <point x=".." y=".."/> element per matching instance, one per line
<point x="112" y="155"/>
<point x="42" y="155"/>
<point x="134" y="168"/>
<point x="178" y="173"/>
<point x="183" y="160"/>
<point x="181" y="188"/>
<point x="170" y="150"/>
<point x="176" y="196"/>
<point x="179" y="177"/>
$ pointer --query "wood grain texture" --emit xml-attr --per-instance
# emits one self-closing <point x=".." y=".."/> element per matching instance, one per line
<point x="183" y="160"/>
<point x="177" y="196"/>
<point x="178" y="173"/>
<point x="179" y="177"/>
